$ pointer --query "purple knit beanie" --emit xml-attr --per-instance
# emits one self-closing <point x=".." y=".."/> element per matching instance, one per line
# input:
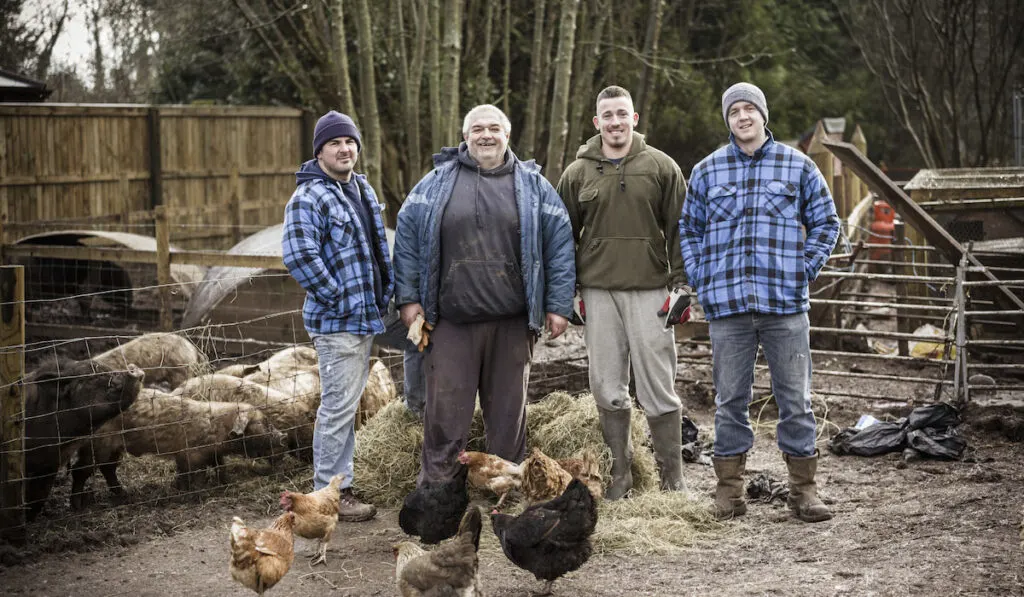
<point x="331" y="125"/>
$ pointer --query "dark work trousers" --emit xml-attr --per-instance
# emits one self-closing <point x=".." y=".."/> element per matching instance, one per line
<point x="492" y="357"/>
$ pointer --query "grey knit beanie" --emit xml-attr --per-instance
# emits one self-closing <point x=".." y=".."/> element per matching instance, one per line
<point x="744" y="92"/>
<point x="331" y="125"/>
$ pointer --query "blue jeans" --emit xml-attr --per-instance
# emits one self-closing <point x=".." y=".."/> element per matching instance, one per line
<point x="787" y="348"/>
<point x="344" y="366"/>
<point x="415" y="388"/>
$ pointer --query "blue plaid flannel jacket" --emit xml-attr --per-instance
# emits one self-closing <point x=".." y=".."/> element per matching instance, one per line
<point x="329" y="254"/>
<point x="756" y="230"/>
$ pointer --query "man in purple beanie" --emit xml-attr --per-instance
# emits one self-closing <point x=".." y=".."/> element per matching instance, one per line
<point x="334" y="246"/>
<point x="757" y="226"/>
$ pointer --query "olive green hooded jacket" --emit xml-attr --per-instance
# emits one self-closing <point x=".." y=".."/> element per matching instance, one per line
<point x="625" y="217"/>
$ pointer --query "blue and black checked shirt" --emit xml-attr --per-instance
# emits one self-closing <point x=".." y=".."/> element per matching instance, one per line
<point x="755" y="230"/>
<point x="328" y="252"/>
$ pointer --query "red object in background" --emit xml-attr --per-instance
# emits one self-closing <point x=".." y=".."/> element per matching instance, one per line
<point x="881" y="229"/>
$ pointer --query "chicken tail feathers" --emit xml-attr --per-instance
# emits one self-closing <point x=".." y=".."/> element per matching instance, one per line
<point x="471" y="526"/>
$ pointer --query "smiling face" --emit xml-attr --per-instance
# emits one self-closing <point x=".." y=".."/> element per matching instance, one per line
<point x="615" y="121"/>
<point x="338" y="158"/>
<point x="486" y="139"/>
<point x="747" y="125"/>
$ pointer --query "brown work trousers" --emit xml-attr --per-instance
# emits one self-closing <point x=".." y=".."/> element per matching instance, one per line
<point x="492" y="358"/>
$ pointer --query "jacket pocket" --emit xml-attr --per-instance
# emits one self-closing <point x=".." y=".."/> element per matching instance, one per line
<point x="341" y="232"/>
<point x="723" y="204"/>
<point x="482" y="290"/>
<point x="780" y="199"/>
<point x="587" y="195"/>
<point x="623" y="263"/>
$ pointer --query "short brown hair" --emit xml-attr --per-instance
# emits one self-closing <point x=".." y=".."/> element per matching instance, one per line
<point x="613" y="91"/>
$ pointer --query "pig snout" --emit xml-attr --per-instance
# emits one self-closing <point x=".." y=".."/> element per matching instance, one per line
<point x="135" y="372"/>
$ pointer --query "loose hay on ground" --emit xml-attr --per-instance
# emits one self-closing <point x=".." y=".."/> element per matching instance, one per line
<point x="388" y="446"/>
<point x="387" y="455"/>
<point x="653" y="523"/>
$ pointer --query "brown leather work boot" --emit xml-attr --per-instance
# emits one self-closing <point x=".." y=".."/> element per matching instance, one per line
<point x="350" y="509"/>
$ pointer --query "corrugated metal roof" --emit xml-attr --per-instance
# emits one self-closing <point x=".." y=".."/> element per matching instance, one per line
<point x="220" y="282"/>
<point x="185" y="275"/>
<point x="967" y="178"/>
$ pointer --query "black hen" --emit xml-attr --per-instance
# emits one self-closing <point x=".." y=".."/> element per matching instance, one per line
<point x="433" y="510"/>
<point x="550" y="538"/>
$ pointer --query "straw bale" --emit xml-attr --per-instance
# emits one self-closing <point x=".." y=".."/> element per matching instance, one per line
<point x="568" y="425"/>
<point x="653" y="523"/>
<point x="388" y="447"/>
<point x="387" y="455"/>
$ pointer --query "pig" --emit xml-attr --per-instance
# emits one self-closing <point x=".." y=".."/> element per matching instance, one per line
<point x="196" y="434"/>
<point x="302" y="383"/>
<point x="238" y="370"/>
<point x="167" y="359"/>
<point x="292" y="415"/>
<point x="65" y="401"/>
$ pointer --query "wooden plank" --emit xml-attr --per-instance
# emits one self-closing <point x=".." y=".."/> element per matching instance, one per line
<point x="83" y="253"/>
<point x="163" y="269"/>
<point x="70" y="179"/>
<point x="155" y="158"/>
<point x="12" y="410"/>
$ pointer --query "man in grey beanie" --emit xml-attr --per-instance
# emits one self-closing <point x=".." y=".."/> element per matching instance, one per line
<point x="335" y="247"/>
<point x="757" y="226"/>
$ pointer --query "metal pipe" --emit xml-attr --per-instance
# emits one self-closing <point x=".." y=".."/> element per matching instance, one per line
<point x="887" y="277"/>
<point x="871" y="304"/>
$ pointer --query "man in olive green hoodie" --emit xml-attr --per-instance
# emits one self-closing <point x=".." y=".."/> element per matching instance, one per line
<point x="624" y="199"/>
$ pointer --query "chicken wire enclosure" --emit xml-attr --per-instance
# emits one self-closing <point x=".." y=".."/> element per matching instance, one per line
<point x="122" y="296"/>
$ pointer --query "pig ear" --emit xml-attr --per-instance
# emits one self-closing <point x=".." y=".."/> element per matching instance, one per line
<point x="241" y="422"/>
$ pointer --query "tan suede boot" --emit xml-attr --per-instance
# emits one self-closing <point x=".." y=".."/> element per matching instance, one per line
<point x="729" y="501"/>
<point x="667" y="438"/>
<point x="351" y="509"/>
<point x="803" y="491"/>
<point x="615" y="429"/>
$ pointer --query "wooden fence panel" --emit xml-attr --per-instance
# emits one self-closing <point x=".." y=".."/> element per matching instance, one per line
<point x="79" y="161"/>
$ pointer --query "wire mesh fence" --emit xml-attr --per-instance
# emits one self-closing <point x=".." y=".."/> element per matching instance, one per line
<point x="227" y="406"/>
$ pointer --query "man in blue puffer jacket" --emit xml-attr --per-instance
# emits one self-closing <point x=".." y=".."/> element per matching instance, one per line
<point x="484" y="253"/>
<point x="335" y="247"/>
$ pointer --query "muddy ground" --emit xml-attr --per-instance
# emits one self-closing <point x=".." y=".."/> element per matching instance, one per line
<point x="922" y="527"/>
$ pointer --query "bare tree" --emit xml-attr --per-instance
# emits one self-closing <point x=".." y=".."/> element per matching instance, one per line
<point x="538" y="62"/>
<point x="946" y="70"/>
<point x="558" y="129"/>
<point x="339" y="57"/>
<point x="588" y="52"/>
<point x="643" y="94"/>
<point x="369" y="118"/>
<point x="452" y="50"/>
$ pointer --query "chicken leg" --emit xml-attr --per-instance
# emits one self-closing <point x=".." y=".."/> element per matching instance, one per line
<point x="548" y="586"/>
<point x="321" y="553"/>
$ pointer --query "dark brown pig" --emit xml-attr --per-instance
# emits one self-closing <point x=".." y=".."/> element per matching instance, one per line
<point x="66" y="401"/>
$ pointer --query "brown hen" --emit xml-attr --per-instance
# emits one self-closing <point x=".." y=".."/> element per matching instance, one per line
<point x="260" y="558"/>
<point x="316" y="514"/>
<point x="586" y="468"/>
<point x="543" y="478"/>
<point x="450" y="569"/>
<point x="490" y="472"/>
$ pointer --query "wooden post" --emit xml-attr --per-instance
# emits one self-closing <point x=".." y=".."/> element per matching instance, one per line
<point x="236" y="206"/>
<point x="861" y="143"/>
<point x="163" y="267"/>
<point x="852" y="191"/>
<point x="156" y="168"/>
<point x="12" y="409"/>
<point x="822" y="157"/>
<point x="899" y="233"/>
<point x="126" y="201"/>
<point x="307" y="122"/>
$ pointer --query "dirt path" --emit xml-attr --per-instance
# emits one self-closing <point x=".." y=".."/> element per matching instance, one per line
<point x="919" y="528"/>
